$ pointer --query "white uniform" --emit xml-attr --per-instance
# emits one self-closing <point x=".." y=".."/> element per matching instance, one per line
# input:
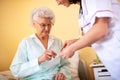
<point x="108" y="48"/>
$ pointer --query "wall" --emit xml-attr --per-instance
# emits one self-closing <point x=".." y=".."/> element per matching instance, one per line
<point x="15" y="24"/>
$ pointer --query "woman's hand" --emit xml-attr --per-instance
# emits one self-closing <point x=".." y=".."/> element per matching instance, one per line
<point x="47" y="55"/>
<point x="59" y="76"/>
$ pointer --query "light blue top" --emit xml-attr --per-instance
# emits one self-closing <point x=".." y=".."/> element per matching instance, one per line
<point x="25" y="63"/>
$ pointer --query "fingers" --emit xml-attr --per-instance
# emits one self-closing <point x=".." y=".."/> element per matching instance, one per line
<point x="64" y="45"/>
<point x="68" y="43"/>
<point x="59" y="76"/>
<point x="51" y="53"/>
<point x="47" y="55"/>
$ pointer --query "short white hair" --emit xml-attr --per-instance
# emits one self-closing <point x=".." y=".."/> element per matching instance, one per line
<point x="44" y="12"/>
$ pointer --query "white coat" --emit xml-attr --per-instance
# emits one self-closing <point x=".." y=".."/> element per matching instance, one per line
<point x="108" y="48"/>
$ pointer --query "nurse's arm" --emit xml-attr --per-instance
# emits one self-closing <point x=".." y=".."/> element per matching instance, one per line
<point x="97" y="32"/>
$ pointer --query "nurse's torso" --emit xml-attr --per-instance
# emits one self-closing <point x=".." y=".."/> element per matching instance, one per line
<point x="108" y="47"/>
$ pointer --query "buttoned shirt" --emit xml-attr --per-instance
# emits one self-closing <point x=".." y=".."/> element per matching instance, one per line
<point x="25" y="63"/>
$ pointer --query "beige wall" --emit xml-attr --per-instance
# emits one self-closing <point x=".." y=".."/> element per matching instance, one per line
<point x="15" y="24"/>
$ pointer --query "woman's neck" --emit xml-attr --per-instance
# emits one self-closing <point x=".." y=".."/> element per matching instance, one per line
<point x="42" y="37"/>
<point x="43" y="40"/>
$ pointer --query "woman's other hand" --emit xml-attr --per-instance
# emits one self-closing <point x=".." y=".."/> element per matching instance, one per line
<point x="59" y="76"/>
<point x="47" y="55"/>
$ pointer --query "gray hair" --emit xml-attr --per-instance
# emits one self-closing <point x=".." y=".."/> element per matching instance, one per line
<point x="42" y="12"/>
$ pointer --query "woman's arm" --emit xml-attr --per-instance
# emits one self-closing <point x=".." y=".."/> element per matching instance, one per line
<point x="21" y="66"/>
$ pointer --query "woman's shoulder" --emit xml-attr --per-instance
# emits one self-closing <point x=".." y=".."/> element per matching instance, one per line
<point x="27" y="38"/>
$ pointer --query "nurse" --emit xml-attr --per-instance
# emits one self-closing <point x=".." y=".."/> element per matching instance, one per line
<point x="100" y="23"/>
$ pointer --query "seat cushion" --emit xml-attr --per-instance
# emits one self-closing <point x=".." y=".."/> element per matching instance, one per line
<point x="74" y="62"/>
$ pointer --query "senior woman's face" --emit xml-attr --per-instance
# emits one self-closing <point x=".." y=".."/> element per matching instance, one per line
<point x="43" y="26"/>
<point x="63" y="2"/>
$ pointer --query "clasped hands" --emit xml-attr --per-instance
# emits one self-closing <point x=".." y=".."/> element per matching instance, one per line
<point x="66" y="52"/>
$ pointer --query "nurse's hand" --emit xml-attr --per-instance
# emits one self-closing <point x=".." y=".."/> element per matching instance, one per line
<point x="68" y="42"/>
<point x="46" y="56"/>
<point x="59" y="76"/>
<point x="66" y="52"/>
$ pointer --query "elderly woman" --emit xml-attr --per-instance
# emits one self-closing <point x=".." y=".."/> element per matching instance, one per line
<point x="36" y="58"/>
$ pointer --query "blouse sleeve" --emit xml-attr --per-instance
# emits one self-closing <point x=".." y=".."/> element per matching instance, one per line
<point x="99" y="8"/>
<point x="21" y="66"/>
<point x="64" y="68"/>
